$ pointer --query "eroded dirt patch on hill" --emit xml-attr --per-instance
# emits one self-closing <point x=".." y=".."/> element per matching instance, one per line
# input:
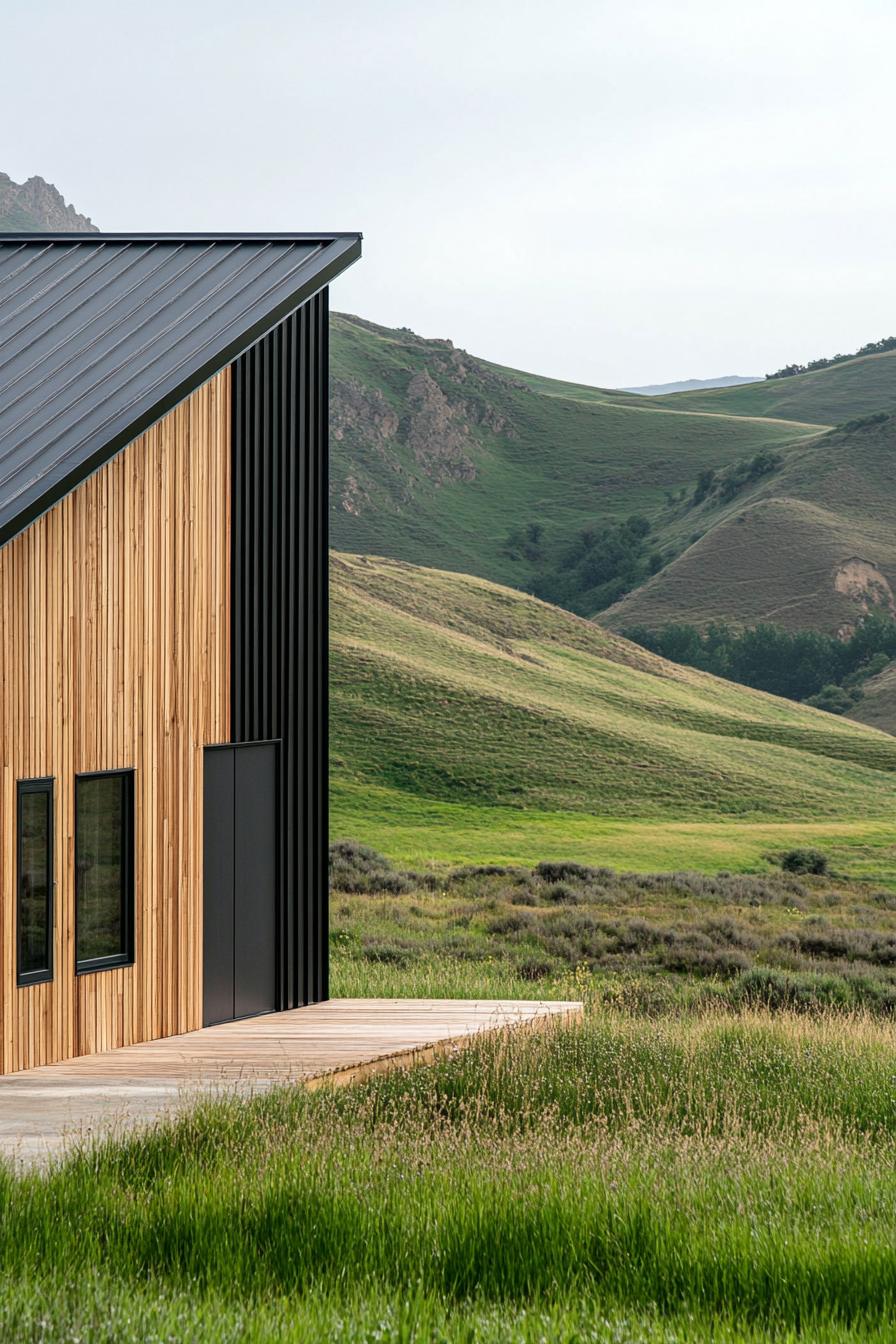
<point x="863" y="583"/>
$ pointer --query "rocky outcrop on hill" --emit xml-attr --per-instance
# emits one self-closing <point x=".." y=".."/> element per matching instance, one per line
<point x="37" y="206"/>
<point x="424" y="426"/>
<point x="438" y="433"/>
<point x="355" y="408"/>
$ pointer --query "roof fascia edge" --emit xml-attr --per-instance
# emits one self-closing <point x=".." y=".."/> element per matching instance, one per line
<point x="343" y="251"/>
<point x="97" y="238"/>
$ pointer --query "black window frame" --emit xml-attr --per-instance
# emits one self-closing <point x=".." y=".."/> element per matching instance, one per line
<point x="90" y="965"/>
<point x="44" y="784"/>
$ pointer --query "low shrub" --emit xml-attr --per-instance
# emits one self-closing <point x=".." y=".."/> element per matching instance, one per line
<point x="513" y="921"/>
<point x="562" y="893"/>
<point x="726" y="931"/>
<point x="695" y="956"/>
<point x="482" y="870"/>
<point x="818" y="939"/>
<point x="811" y="991"/>
<point x="522" y="896"/>
<point x="805" y="861"/>
<point x="637" y="935"/>
<point x="564" y="870"/>
<point x="358" y="868"/>
<point x="388" y="954"/>
<point x="533" y="969"/>
<point x="793" y="991"/>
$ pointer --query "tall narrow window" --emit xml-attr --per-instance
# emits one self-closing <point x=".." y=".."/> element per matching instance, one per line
<point x="34" y="907"/>
<point x="104" y="870"/>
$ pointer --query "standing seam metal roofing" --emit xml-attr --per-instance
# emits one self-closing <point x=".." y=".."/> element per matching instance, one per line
<point x="102" y="334"/>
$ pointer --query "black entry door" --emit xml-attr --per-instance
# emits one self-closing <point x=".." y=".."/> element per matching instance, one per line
<point x="240" y="881"/>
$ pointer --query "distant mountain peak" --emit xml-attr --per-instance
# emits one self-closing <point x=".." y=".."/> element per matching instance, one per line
<point x="692" y="385"/>
<point x="36" y="206"/>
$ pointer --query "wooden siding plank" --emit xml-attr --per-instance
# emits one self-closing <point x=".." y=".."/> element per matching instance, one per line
<point x="114" y="653"/>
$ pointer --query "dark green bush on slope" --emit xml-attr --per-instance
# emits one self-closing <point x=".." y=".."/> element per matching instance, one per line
<point x="834" y="699"/>
<point x="804" y="861"/>
<point x="600" y="564"/>
<point x="721" y="486"/>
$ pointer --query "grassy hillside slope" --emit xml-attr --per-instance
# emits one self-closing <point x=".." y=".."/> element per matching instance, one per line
<point x="438" y="456"/>
<point x="472" y="721"/>
<point x="811" y="545"/>
<point x="878" y="704"/>
<point x="833" y="395"/>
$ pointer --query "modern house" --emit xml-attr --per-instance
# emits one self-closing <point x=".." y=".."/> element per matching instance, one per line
<point x="163" y="655"/>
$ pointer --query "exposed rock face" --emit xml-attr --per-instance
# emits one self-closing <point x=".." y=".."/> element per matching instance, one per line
<point x="411" y="418"/>
<point x="438" y="432"/>
<point x="36" y="206"/>
<point x="425" y="425"/>
<point x="354" y="407"/>
<point x="353" y="498"/>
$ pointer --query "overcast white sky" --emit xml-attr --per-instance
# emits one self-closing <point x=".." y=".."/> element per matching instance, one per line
<point x="614" y="192"/>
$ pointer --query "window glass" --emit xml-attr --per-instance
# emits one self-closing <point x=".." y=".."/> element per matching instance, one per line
<point x="103" y="866"/>
<point x="35" y="895"/>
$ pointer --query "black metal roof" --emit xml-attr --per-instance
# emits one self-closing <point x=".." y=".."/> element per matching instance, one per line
<point x="101" y="334"/>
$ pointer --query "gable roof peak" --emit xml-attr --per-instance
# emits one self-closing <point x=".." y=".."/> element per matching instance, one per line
<point x="101" y="334"/>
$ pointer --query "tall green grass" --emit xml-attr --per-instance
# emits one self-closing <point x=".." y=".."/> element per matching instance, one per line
<point x="707" y="1177"/>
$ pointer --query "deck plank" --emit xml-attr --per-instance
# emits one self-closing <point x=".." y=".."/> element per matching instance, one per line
<point x="45" y="1110"/>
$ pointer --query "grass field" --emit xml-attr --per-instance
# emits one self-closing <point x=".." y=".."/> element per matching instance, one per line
<point x="470" y="722"/>
<point x="426" y="832"/>
<point x="689" y="1177"/>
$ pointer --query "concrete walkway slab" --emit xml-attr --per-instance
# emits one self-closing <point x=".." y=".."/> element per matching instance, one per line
<point x="45" y="1111"/>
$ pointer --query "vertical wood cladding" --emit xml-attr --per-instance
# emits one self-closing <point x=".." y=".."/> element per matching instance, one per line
<point x="115" y="654"/>
<point x="279" y="643"/>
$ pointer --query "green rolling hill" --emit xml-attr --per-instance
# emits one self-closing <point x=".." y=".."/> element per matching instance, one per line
<point x="438" y="457"/>
<point x="810" y="546"/>
<point x="441" y="458"/>
<point x="878" y="704"/>
<point x="831" y="395"/>
<point x="470" y="721"/>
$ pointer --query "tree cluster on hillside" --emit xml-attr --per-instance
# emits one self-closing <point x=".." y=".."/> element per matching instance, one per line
<point x="805" y="665"/>
<point x="864" y="422"/>
<point x="595" y="569"/>
<point x="872" y="348"/>
<point x="722" y="486"/>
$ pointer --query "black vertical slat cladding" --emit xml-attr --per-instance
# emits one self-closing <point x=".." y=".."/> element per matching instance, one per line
<point x="279" y="624"/>
<point x="309" y="653"/>
<point x="322" y="745"/>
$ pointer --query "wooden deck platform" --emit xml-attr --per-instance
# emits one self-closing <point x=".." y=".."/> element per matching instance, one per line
<point x="44" y="1110"/>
